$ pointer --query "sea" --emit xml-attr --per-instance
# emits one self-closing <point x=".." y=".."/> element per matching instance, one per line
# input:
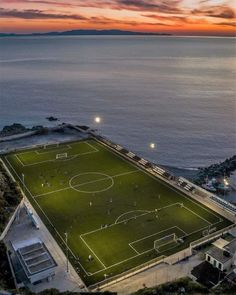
<point x="176" y="92"/>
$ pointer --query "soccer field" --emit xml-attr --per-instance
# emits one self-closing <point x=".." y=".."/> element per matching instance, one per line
<point x="117" y="215"/>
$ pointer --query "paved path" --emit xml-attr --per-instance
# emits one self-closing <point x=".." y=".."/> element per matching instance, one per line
<point x="17" y="136"/>
<point x="62" y="281"/>
<point x="157" y="275"/>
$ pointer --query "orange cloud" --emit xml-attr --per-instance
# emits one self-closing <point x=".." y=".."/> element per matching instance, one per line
<point x="172" y="16"/>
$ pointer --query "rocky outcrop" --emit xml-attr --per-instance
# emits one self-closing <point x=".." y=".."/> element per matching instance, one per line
<point x="222" y="169"/>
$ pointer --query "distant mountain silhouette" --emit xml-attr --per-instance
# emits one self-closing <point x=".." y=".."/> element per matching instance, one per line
<point x="86" y="33"/>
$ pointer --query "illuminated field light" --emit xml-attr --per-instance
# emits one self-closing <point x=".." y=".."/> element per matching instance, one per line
<point x="152" y="145"/>
<point x="97" y="120"/>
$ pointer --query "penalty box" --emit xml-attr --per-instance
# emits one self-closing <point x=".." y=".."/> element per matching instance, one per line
<point x="50" y="153"/>
<point x="136" y="236"/>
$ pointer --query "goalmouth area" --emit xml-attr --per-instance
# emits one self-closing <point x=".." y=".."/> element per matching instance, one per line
<point x="117" y="215"/>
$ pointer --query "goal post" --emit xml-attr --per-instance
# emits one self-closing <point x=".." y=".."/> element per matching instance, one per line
<point x="51" y="145"/>
<point x="164" y="241"/>
<point x="61" y="156"/>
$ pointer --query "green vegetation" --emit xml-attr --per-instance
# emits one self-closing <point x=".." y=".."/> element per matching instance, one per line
<point x="6" y="279"/>
<point x="112" y="211"/>
<point x="10" y="197"/>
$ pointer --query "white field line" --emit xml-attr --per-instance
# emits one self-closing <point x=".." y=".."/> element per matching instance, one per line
<point x="19" y="160"/>
<point x="144" y="252"/>
<point x="89" y="182"/>
<point x="131" y="244"/>
<point x="120" y="262"/>
<point x="104" y="266"/>
<point x="197" y="215"/>
<point x="176" y="244"/>
<point x="148" y="251"/>
<point x="179" y="192"/>
<point x="62" y="147"/>
<point x="131" y="211"/>
<point x="46" y="216"/>
<point x="100" y="229"/>
<point x="134" y="249"/>
<point x="125" y="220"/>
<point x="94" y="150"/>
<point x="56" y="160"/>
<point x="147" y="212"/>
<point x="93" y="147"/>
<point x="156" y="233"/>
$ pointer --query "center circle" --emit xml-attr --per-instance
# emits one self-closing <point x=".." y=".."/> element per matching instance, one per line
<point x="91" y="182"/>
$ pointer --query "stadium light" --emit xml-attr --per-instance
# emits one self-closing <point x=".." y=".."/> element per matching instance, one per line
<point x="67" y="259"/>
<point x="23" y="181"/>
<point x="152" y="145"/>
<point x="97" y="119"/>
<point x="226" y="182"/>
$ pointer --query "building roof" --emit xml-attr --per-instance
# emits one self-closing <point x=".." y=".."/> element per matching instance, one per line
<point x="34" y="257"/>
<point x="218" y="254"/>
<point x="231" y="247"/>
<point x="220" y="243"/>
<point x="222" y="250"/>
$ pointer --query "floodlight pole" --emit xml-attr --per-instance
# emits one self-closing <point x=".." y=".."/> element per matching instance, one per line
<point x="67" y="262"/>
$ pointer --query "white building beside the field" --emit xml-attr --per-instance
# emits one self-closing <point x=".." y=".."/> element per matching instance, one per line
<point x="36" y="262"/>
<point x="222" y="254"/>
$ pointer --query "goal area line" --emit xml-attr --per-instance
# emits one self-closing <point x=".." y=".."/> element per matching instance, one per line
<point x="68" y="158"/>
<point x="137" y="253"/>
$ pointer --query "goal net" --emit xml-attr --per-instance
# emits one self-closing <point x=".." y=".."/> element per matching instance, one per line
<point x="172" y="238"/>
<point x="61" y="156"/>
<point x="50" y="146"/>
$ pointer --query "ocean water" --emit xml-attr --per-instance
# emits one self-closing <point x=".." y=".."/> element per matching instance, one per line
<point x="179" y="92"/>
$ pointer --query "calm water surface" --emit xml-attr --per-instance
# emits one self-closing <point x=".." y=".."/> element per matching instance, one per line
<point x="177" y="92"/>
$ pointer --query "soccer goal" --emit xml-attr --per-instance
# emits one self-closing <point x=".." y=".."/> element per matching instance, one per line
<point x="166" y="240"/>
<point x="50" y="146"/>
<point x="61" y="156"/>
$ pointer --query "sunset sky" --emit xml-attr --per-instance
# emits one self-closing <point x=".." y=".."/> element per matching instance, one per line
<point x="182" y="17"/>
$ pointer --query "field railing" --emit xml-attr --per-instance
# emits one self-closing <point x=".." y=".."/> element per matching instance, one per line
<point x="127" y="274"/>
<point x="171" y="259"/>
<point x="211" y="236"/>
<point x="173" y="181"/>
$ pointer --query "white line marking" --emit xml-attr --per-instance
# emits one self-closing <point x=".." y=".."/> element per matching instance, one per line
<point x="69" y="187"/>
<point x="94" y="150"/>
<point x="156" y="233"/>
<point x="18" y="158"/>
<point x="93" y="147"/>
<point x="104" y="266"/>
<point x="52" y="150"/>
<point x="145" y="212"/>
<point x="134" y="249"/>
<point x="169" y="185"/>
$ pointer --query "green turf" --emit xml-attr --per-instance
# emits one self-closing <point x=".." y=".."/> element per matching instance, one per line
<point x="110" y="208"/>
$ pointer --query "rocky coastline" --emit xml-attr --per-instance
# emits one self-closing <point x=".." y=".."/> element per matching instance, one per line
<point x="17" y="128"/>
<point x="219" y="170"/>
